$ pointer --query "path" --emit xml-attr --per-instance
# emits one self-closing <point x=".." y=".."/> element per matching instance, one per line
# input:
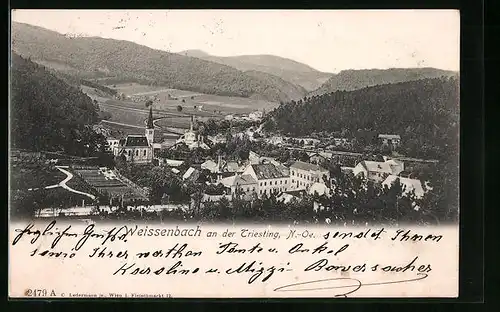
<point x="122" y="124"/>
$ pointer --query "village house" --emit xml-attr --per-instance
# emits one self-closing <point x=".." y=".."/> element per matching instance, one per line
<point x="211" y="166"/>
<point x="112" y="144"/>
<point x="303" y="175"/>
<point x="375" y="170"/>
<point x="255" y="116"/>
<point x="408" y="185"/>
<point x="393" y="140"/>
<point x="372" y="170"/>
<point x="316" y="158"/>
<point x="243" y="183"/>
<point x="270" y="179"/>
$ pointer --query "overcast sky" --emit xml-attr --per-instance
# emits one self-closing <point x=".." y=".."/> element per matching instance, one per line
<point x="329" y="41"/>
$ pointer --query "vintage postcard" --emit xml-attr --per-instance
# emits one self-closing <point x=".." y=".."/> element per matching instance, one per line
<point x="234" y="154"/>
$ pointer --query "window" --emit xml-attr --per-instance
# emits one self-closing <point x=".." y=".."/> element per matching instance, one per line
<point x="144" y="152"/>
<point x="293" y="173"/>
<point x="275" y="182"/>
<point x="260" y="191"/>
<point x="281" y="181"/>
<point x="260" y="183"/>
<point x="287" y="181"/>
<point x="136" y="152"/>
<point x="129" y="153"/>
<point x="265" y="183"/>
<point x="293" y="181"/>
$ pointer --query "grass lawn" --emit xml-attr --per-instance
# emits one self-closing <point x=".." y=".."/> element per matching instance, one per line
<point x="23" y="178"/>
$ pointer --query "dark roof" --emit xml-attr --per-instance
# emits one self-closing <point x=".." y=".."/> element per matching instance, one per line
<point x="267" y="171"/>
<point x="136" y="140"/>
<point x="307" y="166"/>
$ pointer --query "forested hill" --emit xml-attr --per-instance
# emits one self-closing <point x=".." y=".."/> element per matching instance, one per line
<point x="124" y="61"/>
<point x="286" y="89"/>
<point x="289" y="70"/>
<point x="425" y="113"/>
<point x="349" y="80"/>
<point x="45" y="112"/>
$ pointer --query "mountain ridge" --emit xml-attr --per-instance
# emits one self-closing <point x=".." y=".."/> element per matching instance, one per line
<point x="355" y="79"/>
<point x="287" y="69"/>
<point x="121" y="60"/>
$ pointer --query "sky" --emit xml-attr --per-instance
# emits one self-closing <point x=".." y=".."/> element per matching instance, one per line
<point x="327" y="40"/>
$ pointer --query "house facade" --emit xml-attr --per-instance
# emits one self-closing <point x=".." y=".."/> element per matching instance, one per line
<point x="303" y="175"/>
<point x="270" y="180"/>
<point x="241" y="184"/>
<point x="372" y="170"/>
<point x="393" y="140"/>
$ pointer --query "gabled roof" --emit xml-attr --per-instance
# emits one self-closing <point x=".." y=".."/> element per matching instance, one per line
<point x="409" y="184"/>
<point x="174" y="163"/>
<point x="267" y="171"/>
<point x="320" y="188"/>
<point x="136" y="141"/>
<point x="389" y="136"/>
<point x="307" y="166"/>
<point x="376" y="166"/>
<point x="244" y="179"/>
<point x="232" y="166"/>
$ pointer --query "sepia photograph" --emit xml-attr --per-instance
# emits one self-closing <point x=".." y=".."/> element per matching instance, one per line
<point x="263" y="118"/>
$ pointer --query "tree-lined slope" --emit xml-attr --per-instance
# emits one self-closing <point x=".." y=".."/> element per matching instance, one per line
<point x="120" y="61"/>
<point x="46" y="113"/>
<point x="425" y="113"/>
<point x="349" y="80"/>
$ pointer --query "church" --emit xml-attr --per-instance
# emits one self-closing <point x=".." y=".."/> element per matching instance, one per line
<point x="192" y="139"/>
<point x="137" y="149"/>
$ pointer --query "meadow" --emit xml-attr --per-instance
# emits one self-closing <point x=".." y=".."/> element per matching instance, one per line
<point x="129" y="115"/>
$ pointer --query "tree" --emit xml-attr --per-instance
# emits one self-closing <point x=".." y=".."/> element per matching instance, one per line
<point x="179" y="108"/>
<point x="183" y="101"/>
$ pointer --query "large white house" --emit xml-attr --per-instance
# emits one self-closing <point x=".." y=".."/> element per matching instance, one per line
<point x="270" y="179"/>
<point x="244" y="183"/>
<point x="303" y="175"/>
<point x="378" y="170"/>
<point x="408" y="185"/>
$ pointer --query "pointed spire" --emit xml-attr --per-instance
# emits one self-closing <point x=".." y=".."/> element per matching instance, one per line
<point x="150" y="118"/>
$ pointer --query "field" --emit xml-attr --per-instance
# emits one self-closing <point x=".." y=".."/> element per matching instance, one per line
<point x="107" y="184"/>
<point x="130" y="114"/>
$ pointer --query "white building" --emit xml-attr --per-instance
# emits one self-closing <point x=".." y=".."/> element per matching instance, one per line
<point x="377" y="171"/>
<point x="191" y="139"/>
<point x="270" y="179"/>
<point x="319" y="188"/>
<point x="243" y="183"/>
<point x="390" y="139"/>
<point x="303" y="175"/>
<point x="372" y="170"/>
<point x="211" y="166"/>
<point x="112" y="144"/>
<point x="408" y="185"/>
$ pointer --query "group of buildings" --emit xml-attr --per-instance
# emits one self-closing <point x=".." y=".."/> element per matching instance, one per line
<point x="262" y="176"/>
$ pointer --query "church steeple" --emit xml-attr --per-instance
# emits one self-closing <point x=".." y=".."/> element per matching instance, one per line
<point x="150" y="128"/>
<point x="150" y="118"/>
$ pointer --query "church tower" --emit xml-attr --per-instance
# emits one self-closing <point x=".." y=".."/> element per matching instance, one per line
<point x="150" y="129"/>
